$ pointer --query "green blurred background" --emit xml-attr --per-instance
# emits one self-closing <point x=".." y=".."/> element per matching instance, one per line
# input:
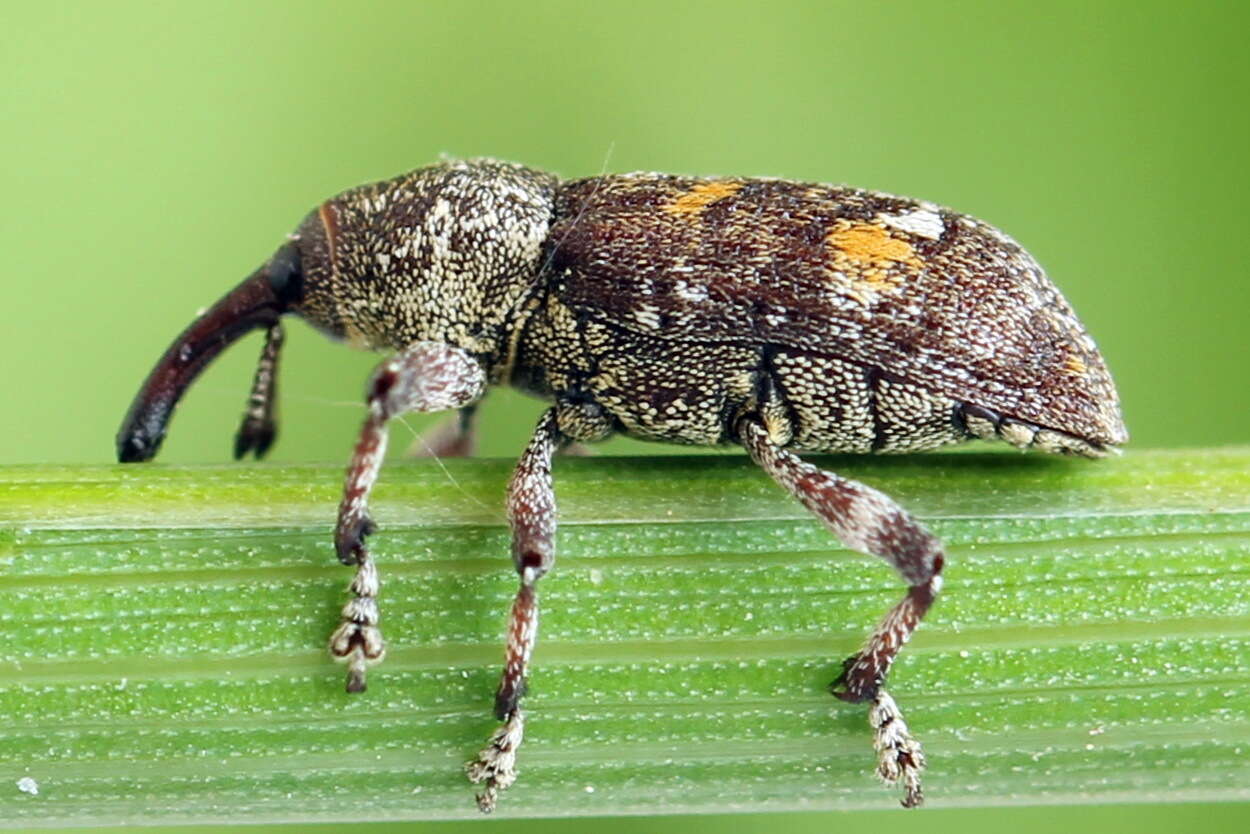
<point x="155" y="153"/>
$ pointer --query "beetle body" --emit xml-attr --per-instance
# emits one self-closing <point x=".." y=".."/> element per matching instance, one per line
<point x="785" y="317"/>
<point x="858" y="322"/>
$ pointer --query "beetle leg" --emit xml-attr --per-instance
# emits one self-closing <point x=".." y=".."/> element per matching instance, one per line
<point x="259" y="426"/>
<point x="577" y="450"/>
<point x="866" y="520"/>
<point x="454" y="437"/>
<point x="532" y="516"/>
<point x="427" y="376"/>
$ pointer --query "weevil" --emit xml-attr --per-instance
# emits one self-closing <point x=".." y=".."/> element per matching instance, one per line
<point x="780" y="316"/>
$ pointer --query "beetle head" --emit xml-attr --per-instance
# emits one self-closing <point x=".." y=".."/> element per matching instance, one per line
<point x="444" y="253"/>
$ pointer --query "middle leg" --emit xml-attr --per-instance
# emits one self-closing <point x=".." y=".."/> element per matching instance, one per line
<point x="454" y="437"/>
<point x="532" y="516"/>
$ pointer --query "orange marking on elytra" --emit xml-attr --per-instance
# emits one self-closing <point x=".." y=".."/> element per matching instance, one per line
<point x="691" y="204"/>
<point x="871" y="244"/>
<point x="868" y="258"/>
<point x="878" y="279"/>
<point x="1075" y="365"/>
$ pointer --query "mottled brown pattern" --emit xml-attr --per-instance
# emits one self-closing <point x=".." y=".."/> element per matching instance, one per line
<point x="970" y="316"/>
<point x="445" y="253"/>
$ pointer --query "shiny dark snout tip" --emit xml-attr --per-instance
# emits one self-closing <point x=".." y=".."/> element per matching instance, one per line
<point x="137" y="446"/>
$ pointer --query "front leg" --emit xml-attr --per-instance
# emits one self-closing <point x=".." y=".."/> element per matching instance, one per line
<point x="532" y="516"/>
<point x="260" y="424"/>
<point x="427" y="376"/>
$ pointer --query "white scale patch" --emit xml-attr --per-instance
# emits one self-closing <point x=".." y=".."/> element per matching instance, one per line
<point x="920" y="222"/>
<point x="690" y="292"/>
<point x="648" y="316"/>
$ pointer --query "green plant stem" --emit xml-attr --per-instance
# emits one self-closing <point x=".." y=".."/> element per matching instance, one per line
<point x="164" y="629"/>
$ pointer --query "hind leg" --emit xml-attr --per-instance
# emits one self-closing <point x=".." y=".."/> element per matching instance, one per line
<point x="868" y="521"/>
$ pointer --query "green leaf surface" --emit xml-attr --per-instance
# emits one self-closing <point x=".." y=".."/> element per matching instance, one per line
<point x="164" y="656"/>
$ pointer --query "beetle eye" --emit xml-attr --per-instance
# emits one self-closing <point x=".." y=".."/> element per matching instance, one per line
<point x="286" y="275"/>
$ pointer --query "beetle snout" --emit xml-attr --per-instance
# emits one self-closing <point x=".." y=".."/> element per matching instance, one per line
<point x="256" y="302"/>
<point x="143" y="438"/>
